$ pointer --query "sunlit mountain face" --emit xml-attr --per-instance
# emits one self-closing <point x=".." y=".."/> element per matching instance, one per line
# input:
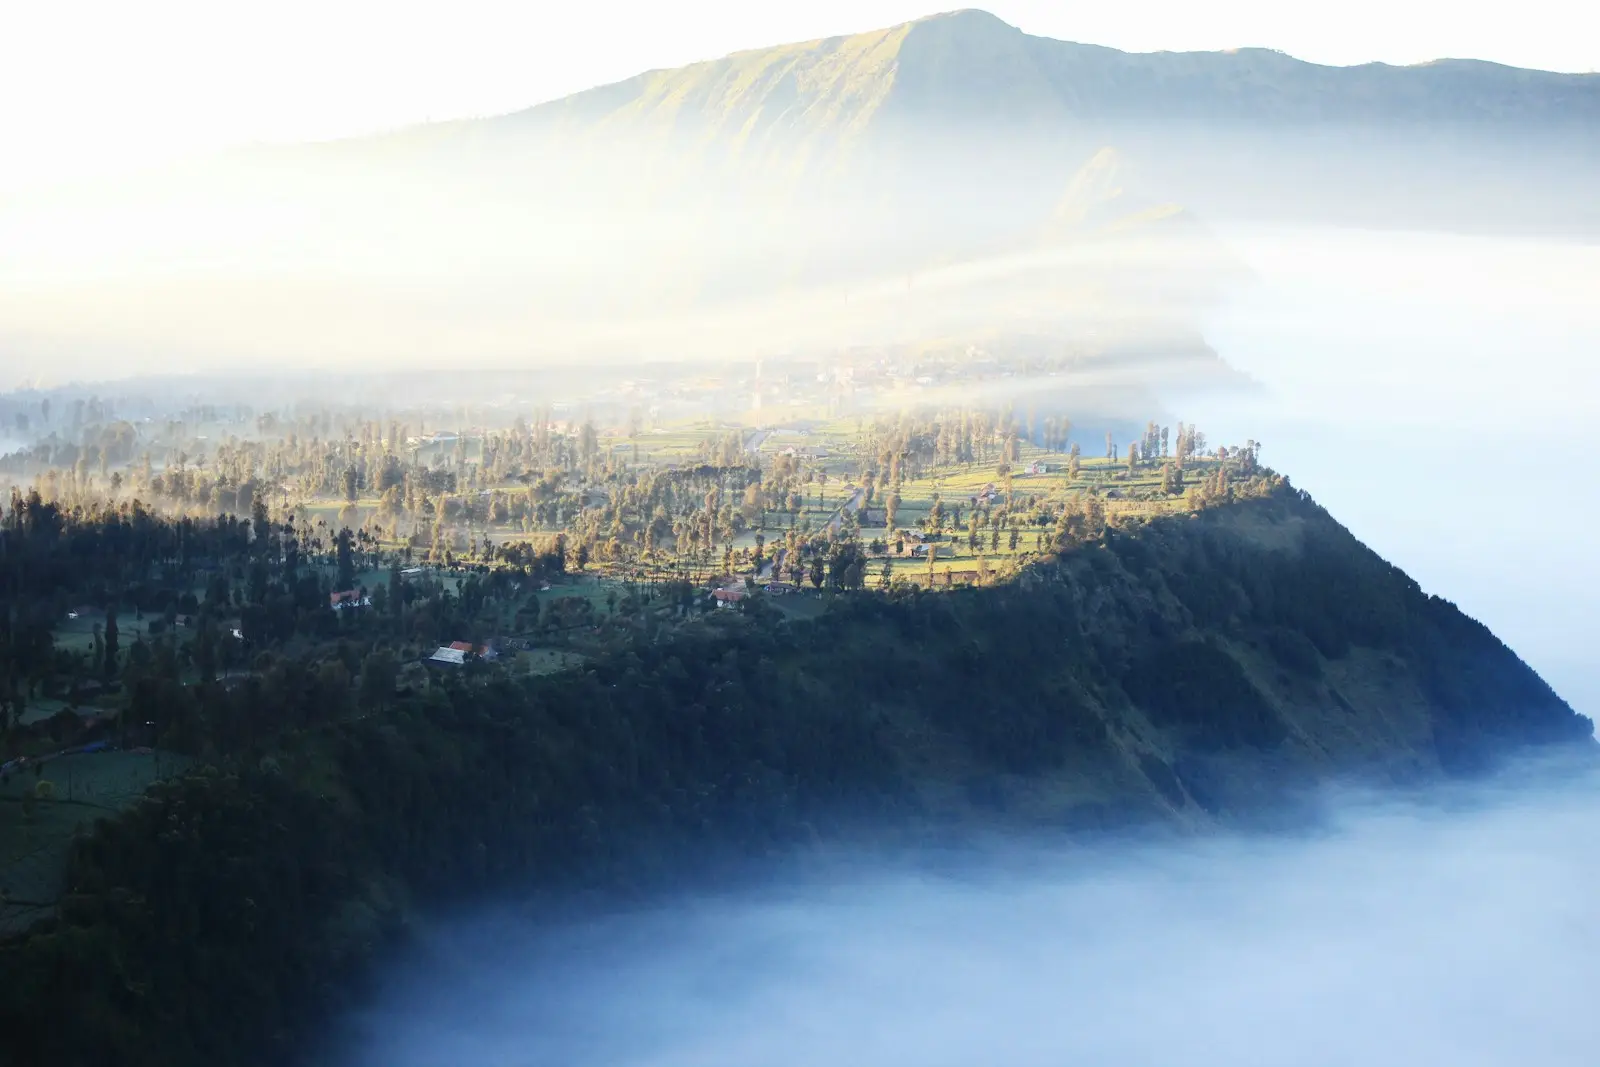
<point x="769" y="563"/>
<point x="926" y="179"/>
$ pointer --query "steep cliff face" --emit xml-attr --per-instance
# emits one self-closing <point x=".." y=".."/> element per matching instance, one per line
<point x="1192" y="671"/>
<point x="1195" y="670"/>
<point x="1258" y="648"/>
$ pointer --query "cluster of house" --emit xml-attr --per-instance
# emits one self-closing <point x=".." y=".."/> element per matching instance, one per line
<point x="733" y="597"/>
<point x="727" y="598"/>
<point x="456" y="654"/>
<point x="989" y="495"/>
<point x="805" y="451"/>
<point x="730" y="596"/>
<point x="438" y="437"/>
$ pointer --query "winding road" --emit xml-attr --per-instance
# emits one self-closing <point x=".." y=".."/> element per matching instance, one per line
<point x="832" y="525"/>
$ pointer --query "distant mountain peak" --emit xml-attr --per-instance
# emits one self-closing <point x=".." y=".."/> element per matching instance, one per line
<point x="968" y="70"/>
<point x="967" y="17"/>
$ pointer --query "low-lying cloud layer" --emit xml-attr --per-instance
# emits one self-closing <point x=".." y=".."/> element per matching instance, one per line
<point x="1458" y="931"/>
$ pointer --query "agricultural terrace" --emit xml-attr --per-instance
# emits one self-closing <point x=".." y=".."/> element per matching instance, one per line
<point x="947" y="498"/>
<point x="200" y="606"/>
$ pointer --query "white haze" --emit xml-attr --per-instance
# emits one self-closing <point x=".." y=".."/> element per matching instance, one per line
<point x="1438" y="394"/>
<point x="500" y="257"/>
<point x="1453" y="931"/>
<point x="1434" y="390"/>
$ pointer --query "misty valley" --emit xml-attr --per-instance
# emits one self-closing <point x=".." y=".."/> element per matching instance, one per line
<point x="1231" y="951"/>
<point x="929" y="546"/>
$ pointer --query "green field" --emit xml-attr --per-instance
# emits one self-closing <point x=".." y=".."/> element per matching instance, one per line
<point x="36" y="832"/>
<point x="77" y="635"/>
<point x="548" y="660"/>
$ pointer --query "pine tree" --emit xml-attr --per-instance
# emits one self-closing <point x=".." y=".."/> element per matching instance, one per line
<point x="109" y="666"/>
<point x="205" y="652"/>
<point x="346" y="559"/>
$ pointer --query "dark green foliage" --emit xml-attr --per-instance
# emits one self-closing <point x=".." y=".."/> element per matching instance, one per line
<point x="995" y="669"/>
<point x="1201" y="689"/>
<point x="212" y="923"/>
<point x="197" y="927"/>
<point x="110" y="639"/>
<point x="1486" y="698"/>
<point x="1199" y="780"/>
<point x="1163" y="778"/>
<point x="1294" y="650"/>
<point x="184" y="937"/>
<point x="346" y="559"/>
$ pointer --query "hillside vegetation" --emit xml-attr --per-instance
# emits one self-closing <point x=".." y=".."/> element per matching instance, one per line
<point x="1187" y="670"/>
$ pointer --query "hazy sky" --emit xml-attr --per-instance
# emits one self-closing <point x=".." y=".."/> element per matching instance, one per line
<point x="87" y="85"/>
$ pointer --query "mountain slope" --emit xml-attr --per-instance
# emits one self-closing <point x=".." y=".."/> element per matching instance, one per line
<point x="971" y="65"/>
<point x="1194" y="672"/>
<point x="753" y="196"/>
<point x="1106" y="194"/>
<point x="964" y="122"/>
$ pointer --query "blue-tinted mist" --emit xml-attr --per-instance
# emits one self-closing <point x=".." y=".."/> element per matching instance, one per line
<point x="1401" y="934"/>
<point x="1437" y="394"/>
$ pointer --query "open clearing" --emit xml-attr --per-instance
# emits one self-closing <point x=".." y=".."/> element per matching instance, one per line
<point x="36" y="831"/>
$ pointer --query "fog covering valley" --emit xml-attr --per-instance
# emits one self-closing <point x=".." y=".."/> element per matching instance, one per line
<point x="1386" y="276"/>
<point x="1449" y="927"/>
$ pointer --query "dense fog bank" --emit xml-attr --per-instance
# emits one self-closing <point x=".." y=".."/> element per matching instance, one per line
<point x="1449" y="928"/>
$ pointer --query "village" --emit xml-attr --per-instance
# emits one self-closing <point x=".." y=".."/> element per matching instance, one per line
<point x="387" y="552"/>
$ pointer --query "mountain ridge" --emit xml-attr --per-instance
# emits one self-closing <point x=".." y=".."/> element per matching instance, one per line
<point x="887" y="48"/>
<point x="1190" y="673"/>
<point x="963" y="104"/>
<point x="969" y="65"/>
<point x="696" y="200"/>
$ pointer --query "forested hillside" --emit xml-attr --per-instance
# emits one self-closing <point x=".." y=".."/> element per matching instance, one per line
<point x="1185" y="670"/>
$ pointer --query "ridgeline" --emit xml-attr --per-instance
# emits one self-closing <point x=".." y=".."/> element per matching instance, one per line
<point x="1191" y="670"/>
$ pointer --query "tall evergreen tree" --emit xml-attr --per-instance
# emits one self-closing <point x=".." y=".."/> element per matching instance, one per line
<point x="109" y="666"/>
